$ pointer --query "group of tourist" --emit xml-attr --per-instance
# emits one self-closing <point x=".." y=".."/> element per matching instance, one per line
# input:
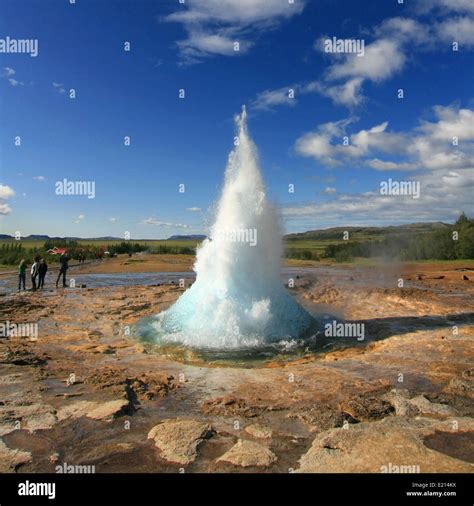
<point x="38" y="272"/>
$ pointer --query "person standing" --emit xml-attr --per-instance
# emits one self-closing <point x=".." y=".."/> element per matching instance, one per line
<point x="42" y="270"/>
<point x="34" y="272"/>
<point x="63" y="260"/>
<point x="22" y="274"/>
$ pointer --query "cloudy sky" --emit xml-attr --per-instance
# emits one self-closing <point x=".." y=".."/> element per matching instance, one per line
<point x="332" y="125"/>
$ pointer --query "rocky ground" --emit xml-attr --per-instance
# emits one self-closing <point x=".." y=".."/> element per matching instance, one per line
<point x="86" y="393"/>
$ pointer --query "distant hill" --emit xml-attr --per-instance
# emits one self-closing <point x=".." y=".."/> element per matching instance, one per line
<point x="315" y="235"/>
<point x="362" y="232"/>
<point x="196" y="237"/>
<point x="105" y="238"/>
<point x="36" y="237"/>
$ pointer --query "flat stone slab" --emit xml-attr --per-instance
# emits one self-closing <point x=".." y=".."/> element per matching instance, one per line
<point x="419" y="405"/>
<point x="96" y="410"/>
<point x="394" y="444"/>
<point x="108" y="410"/>
<point x="178" y="440"/>
<point x="32" y="417"/>
<point x="76" y="409"/>
<point x="259" y="431"/>
<point x="248" y="453"/>
<point x="10" y="459"/>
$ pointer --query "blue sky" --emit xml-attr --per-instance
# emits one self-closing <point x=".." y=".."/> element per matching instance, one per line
<point x="186" y="141"/>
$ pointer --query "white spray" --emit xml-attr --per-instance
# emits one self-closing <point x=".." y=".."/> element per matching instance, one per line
<point x="238" y="299"/>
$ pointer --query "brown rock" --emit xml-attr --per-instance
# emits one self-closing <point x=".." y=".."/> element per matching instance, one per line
<point x="76" y="410"/>
<point x="248" y="453"/>
<point x="367" y="408"/>
<point x="229" y="406"/>
<point x="404" y="406"/>
<point x="10" y="459"/>
<point x="109" y="410"/>
<point x="459" y="386"/>
<point x="96" y="410"/>
<point x="32" y="416"/>
<point x="259" y="431"/>
<point x="375" y="447"/>
<point x="178" y="440"/>
<point x="400" y="400"/>
<point x="426" y="407"/>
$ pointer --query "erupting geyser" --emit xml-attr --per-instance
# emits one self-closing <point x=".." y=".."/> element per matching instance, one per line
<point x="238" y="299"/>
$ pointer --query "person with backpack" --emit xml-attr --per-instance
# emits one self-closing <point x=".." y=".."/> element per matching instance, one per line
<point x="22" y="274"/>
<point x="63" y="260"/>
<point x="34" y="272"/>
<point x="42" y="270"/>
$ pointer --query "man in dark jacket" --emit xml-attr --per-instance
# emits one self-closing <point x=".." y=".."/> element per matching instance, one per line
<point x="63" y="260"/>
<point x="42" y="270"/>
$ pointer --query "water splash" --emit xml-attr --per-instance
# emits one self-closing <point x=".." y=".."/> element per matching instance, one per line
<point x="237" y="300"/>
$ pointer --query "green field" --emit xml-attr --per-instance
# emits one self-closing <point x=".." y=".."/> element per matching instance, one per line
<point x="414" y="242"/>
<point x="310" y="244"/>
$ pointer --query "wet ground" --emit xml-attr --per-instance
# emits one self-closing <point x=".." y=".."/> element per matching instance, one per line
<point x="87" y="391"/>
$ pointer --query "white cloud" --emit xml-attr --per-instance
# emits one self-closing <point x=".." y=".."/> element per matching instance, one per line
<point x="397" y="38"/>
<point x="329" y="190"/>
<point x="268" y="99"/>
<point x="59" y="87"/>
<point x="344" y="78"/>
<point x="384" y="165"/>
<point x="193" y="209"/>
<point x="386" y="56"/>
<point x="4" y="208"/>
<point x="112" y="220"/>
<point x="451" y="122"/>
<point x="80" y="218"/>
<point x="158" y="223"/>
<point x="326" y="144"/>
<point x="459" y="30"/>
<point x="14" y="82"/>
<point x="348" y="93"/>
<point x="6" y="193"/>
<point x="236" y="11"/>
<point x="213" y="26"/>
<point x="443" y="196"/>
<point x="39" y="178"/>
<point x="8" y="71"/>
<point x="199" y="44"/>
<point x="404" y="30"/>
<point x="445" y="5"/>
<point x="428" y="146"/>
<point x="382" y="59"/>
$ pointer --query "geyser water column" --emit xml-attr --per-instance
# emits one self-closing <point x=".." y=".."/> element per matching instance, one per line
<point x="238" y="299"/>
